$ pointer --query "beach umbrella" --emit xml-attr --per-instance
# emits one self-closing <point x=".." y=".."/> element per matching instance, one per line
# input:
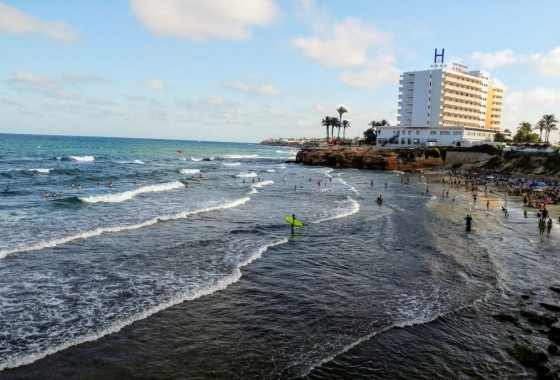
<point x="511" y="181"/>
<point x="489" y="177"/>
<point x="541" y="183"/>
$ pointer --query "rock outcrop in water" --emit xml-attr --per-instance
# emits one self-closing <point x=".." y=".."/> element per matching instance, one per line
<point x="378" y="158"/>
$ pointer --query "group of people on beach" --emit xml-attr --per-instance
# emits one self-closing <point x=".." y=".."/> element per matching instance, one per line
<point x="544" y="225"/>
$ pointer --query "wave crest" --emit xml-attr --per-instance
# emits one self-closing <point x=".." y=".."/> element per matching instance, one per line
<point x="82" y="158"/>
<point x="190" y="171"/>
<point x="103" y="230"/>
<point x="124" y="196"/>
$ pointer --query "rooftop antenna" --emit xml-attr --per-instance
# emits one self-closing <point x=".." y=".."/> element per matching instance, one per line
<point x="440" y="56"/>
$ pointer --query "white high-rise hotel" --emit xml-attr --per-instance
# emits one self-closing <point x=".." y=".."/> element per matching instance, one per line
<point x="439" y="102"/>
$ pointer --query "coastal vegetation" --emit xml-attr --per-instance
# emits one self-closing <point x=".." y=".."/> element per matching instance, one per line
<point x="370" y="135"/>
<point x="333" y="122"/>
<point x="525" y="133"/>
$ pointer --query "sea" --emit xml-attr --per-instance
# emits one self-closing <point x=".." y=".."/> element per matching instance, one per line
<point x="185" y="267"/>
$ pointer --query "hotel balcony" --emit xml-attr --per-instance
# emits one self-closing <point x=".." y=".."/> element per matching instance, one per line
<point x="470" y="81"/>
<point x="467" y="106"/>
<point x="447" y="95"/>
<point x="474" y="92"/>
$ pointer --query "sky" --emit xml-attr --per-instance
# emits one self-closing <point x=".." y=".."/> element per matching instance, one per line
<point x="248" y="70"/>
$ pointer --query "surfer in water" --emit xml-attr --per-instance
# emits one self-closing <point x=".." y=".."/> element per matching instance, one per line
<point x="468" y="220"/>
<point x="379" y="199"/>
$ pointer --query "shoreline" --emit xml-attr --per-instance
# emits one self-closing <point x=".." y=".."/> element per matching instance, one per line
<point x="496" y="194"/>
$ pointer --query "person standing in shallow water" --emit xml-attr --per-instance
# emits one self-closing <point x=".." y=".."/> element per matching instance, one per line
<point x="292" y="224"/>
<point x="549" y="226"/>
<point x="542" y="226"/>
<point x="468" y="220"/>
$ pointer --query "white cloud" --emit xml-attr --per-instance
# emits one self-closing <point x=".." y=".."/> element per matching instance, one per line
<point x="200" y="19"/>
<point x="216" y="101"/>
<point x="345" y="44"/>
<point x="529" y="106"/>
<point x="266" y="89"/>
<point x="320" y="108"/>
<point x="548" y="64"/>
<point x="35" y="80"/>
<point x="380" y="70"/>
<point x="77" y="77"/>
<point x="14" y="21"/>
<point x="500" y="58"/>
<point x="155" y="84"/>
<point x="540" y="98"/>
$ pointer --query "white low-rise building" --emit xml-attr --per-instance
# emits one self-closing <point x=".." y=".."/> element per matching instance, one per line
<point x="433" y="136"/>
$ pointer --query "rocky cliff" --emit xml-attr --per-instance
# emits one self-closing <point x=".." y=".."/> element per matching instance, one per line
<point x="377" y="158"/>
<point x="406" y="159"/>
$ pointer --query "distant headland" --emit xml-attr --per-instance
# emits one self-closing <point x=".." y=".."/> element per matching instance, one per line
<point x="293" y="142"/>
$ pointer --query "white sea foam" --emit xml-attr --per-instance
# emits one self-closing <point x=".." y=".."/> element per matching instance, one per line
<point x="187" y="295"/>
<point x="231" y="163"/>
<point x="102" y="230"/>
<point x="417" y="320"/>
<point x="196" y="159"/>
<point x="82" y="158"/>
<point x="238" y="156"/>
<point x="271" y="171"/>
<point x="190" y="171"/>
<point x="138" y="162"/>
<point x="252" y="191"/>
<point x="246" y="175"/>
<point x="353" y="207"/>
<point x="126" y="195"/>
<point x="263" y="183"/>
<point x="352" y="188"/>
<point x="40" y="170"/>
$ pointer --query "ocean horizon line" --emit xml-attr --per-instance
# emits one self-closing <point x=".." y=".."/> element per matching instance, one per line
<point x="128" y="137"/>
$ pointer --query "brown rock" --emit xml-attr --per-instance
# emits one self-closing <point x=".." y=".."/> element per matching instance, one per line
<point x="377" y="158"/>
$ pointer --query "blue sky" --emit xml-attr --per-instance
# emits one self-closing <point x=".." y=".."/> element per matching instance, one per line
<point x="224" y="70"/>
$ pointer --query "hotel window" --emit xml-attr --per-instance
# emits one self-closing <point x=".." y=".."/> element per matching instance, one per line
<point x="457" y="132"/>
<point x="444" y="132"/>
<point x="433" y="132"/>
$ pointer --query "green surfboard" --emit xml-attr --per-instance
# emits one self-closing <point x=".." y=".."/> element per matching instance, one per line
<point x="293" y="221"/>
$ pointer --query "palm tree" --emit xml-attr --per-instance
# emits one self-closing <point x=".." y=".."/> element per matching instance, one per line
<point x="333" y="122"/>
<point x="549" y="124"/>
<point x="340" y="111"/>
<point x="337" y="124"/>
<point x="540" y="126"/>
<point x="326" y="122"/>
<point x="345" y="124"/>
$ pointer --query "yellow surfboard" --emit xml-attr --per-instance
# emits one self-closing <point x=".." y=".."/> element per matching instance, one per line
<point x="293" y="221"/>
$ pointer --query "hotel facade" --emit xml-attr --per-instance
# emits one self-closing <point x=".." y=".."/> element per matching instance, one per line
<point x="442" y="106"/>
